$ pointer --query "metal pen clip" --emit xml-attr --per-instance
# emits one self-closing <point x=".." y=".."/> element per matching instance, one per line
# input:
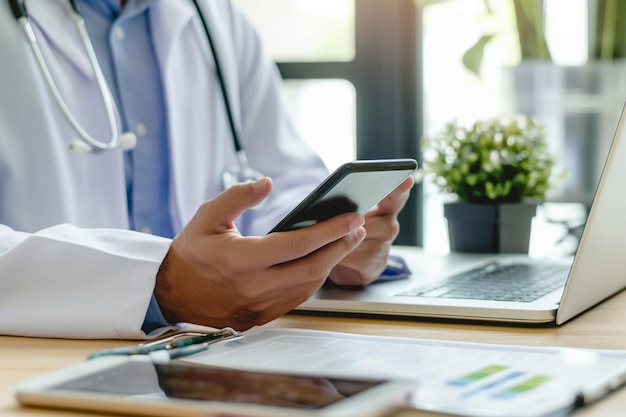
<point x="176" y="345"/>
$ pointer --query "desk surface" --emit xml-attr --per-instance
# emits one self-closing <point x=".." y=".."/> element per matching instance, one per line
<point x="601" y="328"/>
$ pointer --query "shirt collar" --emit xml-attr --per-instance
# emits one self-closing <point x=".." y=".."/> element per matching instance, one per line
<point x="110" y="9"/>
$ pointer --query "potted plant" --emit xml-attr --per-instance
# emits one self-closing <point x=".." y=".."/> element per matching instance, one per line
<point x="499" y="170"/>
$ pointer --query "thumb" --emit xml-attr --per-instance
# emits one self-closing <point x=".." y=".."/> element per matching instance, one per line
<point x="231" y="203"/>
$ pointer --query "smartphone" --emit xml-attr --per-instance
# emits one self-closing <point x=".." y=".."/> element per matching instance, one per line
<point x="136" y="386"/>
<point x="355" y="186"/>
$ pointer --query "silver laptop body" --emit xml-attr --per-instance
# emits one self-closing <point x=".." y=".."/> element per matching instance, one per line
<point x="596" y="272"/>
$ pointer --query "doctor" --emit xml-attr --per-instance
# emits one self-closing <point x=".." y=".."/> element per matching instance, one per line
<point x="122" y="242"/>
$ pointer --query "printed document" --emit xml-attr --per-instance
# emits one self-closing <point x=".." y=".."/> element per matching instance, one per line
<point x="469" y="379"/>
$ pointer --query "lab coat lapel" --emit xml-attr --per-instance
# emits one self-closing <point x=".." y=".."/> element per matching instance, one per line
<point x="173" y="16"/>
<point x="194" y="120"/>
<point x="54" y="26"/>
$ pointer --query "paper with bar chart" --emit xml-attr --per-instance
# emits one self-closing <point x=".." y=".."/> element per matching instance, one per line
<point x="472" y="379"/>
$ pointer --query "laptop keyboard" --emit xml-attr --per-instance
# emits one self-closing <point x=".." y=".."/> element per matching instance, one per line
<point x="501" y="282"/>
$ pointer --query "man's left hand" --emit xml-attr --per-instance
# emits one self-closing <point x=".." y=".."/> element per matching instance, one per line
<point x="365" y="263"/>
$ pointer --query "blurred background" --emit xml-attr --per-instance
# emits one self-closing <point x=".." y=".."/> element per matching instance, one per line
<point x="368" y="78"/>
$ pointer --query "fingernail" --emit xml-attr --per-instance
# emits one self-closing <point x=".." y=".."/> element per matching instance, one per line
<point x="357" y="222"/>
<point x="360" y="233"/>
<point x="258" y="184"/>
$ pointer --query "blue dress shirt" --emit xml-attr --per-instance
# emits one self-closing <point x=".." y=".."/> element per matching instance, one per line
<point x="123" y="44"/>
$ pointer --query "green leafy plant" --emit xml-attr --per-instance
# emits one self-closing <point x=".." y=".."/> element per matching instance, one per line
<point x="529" y="22"/>
<point x="607" y="39"/>
<point x="493" y="161"/>
<point x="607" y="33"/>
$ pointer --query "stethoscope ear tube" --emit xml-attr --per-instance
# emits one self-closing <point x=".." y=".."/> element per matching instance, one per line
<point x="126" y="141"/>
<point x="18" y="7"/>
<point x="115" y="140"/>
<point x="75" y="6"/>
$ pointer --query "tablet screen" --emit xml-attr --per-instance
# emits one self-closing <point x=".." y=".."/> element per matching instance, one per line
<point x="202" y="383"/>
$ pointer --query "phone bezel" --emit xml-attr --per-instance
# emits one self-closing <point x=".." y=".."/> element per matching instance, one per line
<point x="407" y="165"/>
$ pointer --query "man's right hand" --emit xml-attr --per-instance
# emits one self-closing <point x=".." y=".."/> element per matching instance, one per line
<point x="215" y="277"/>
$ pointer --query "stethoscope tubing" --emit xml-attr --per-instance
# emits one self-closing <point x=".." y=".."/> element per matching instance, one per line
<point x="244" y="169"/>
<point x="220" y="76"/>
<point x="21" y="13"/>
<point x="242" y="173"/>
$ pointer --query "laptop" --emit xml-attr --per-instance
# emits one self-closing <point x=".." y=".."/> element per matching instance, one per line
<point x="596" y="271"/>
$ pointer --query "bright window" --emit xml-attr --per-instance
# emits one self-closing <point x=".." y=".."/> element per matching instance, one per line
<point x="323" y="110"/>
<point x="304" y="30"/>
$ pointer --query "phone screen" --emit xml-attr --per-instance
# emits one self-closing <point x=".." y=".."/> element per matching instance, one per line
<point x="205" y="383"/>
<point x="354" y="187"/>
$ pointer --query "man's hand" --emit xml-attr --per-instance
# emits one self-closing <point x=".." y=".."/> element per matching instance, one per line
<point x="369" y="259"/>
<point x="214" y="276"/>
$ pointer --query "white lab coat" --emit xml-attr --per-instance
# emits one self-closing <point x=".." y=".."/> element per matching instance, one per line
<point x="68" y="267"/>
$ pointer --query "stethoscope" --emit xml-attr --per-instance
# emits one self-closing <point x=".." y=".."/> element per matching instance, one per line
<point x="241" y="172"/>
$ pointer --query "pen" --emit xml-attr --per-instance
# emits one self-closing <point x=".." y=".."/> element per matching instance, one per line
<point x="166" y="355"/>
<point x="176" y="342"/>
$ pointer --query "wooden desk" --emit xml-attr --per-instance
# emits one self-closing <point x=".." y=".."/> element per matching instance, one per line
<point x="603" y="327"/>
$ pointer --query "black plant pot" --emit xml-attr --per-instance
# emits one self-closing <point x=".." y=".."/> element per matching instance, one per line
<point x="489" y="228"/>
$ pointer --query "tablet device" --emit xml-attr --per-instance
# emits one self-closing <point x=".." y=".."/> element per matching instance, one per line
<point x="355" y="186"/>
<point x="136" y="386"/>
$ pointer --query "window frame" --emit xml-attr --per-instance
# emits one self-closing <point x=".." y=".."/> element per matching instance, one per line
<point x="387" y="77"/>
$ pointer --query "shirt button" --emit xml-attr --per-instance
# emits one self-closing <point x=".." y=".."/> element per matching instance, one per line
<point x="146" y="229"/>
<point x="140" y="129"/>
<point x="118" y="33"/>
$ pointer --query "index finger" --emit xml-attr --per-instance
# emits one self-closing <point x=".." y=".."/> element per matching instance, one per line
<point x="280" y="247"/>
